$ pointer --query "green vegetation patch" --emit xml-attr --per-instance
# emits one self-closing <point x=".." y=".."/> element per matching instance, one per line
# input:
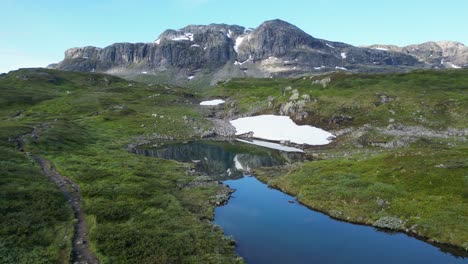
<point x="424" y="185"/>
<point x="36" y="223"/>
<point x="433" y="99"/>
<point x="135" y="206"/>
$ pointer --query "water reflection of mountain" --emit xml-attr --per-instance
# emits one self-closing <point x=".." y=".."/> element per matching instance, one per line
<point x="223" y="160"/>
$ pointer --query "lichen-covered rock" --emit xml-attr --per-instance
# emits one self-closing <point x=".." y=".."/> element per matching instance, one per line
<point x="386" y="99"/>
<point x="294" y="96"/>
<point x="389" y="222"/>
<point x="341" y="119"/>
<point x="270" y="100"/>
<point x="306" y="97"/>
<point x="336" y="213"/>
<point x="323" y="82"/>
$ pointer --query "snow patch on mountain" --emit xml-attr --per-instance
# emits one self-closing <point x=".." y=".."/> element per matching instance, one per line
<point x="239" y="42"/>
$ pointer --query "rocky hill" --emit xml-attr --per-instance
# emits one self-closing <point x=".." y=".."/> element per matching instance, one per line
<point x="441" y="54"/>
<point x="210" y="53"/>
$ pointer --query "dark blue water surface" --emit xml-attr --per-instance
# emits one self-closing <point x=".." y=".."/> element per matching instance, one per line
<point x="268" y="229"/>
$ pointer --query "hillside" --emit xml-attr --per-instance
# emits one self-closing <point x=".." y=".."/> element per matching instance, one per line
<point x="135" y="208"/>
<point x="400" y="152"/>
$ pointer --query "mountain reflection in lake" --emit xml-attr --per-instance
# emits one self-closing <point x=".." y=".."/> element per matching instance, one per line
<point x="219" y="159"/>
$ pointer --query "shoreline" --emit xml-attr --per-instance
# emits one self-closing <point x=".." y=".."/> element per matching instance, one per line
<point x="455" y="250"/>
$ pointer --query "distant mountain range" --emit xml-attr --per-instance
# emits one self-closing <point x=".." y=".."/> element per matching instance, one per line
<point x="211" y="53"/>
<point x="442" y="54"/>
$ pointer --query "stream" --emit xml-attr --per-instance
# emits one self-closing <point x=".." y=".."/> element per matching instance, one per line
<point x="271" y="227"/>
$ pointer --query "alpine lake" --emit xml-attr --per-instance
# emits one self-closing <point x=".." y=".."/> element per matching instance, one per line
<point x="269" y="226"/>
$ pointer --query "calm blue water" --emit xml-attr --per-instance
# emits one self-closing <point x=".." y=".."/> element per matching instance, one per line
<point x="268" y="229"/>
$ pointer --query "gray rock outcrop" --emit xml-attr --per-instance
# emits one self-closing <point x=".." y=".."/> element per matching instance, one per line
<point x="389" y="222"/>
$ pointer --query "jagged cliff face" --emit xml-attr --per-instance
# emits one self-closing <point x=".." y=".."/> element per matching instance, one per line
<point x="189" y="48"/>
<point x="217" y="52"/>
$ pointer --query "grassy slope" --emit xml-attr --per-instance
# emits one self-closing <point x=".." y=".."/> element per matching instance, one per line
<point x="136" y="211"/>
<point x="36" y="225"/>
<point x="358" y="182"/>
<point x="434" y="99"/>
<point x="431" y="200"/>
<point x="134" y="206"/>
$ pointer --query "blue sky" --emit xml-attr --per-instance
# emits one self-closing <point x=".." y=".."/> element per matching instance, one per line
<point x="37" y="32"/>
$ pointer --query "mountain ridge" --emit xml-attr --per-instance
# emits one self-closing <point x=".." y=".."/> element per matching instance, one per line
<point x="276" y="48"/>
<point x="450" y="54"/>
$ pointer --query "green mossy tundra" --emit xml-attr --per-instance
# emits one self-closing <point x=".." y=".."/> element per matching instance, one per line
<point x="138" y="212"/>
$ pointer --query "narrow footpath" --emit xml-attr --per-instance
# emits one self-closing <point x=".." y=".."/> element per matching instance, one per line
<point x="80" y="245"/>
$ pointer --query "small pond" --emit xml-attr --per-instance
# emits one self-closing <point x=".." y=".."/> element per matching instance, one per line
<point x="271" y="227"/>
<point x="222" y="160"/>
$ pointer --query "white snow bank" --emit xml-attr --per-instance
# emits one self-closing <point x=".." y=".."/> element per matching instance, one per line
<point x="343" y="55"/>
<point x="329" y="45"/>
<point x="271" y="145"/>
<point x="213" y="102"/>
<point x="384" y="49"/>
<point x="341" y="68"/>
<point x="186" y="36"/>
<point x="238" y="43"/>
<point x="241" y="63"/>
<point x="273" y="127"/>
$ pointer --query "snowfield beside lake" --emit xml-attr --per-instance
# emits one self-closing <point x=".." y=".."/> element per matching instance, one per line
<point x="213" y="102"/>
<point x="273" y="127"/>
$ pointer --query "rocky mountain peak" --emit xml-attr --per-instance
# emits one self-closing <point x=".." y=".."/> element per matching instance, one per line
<point x="451" y="44"/>
<point x="197" y="33"/>
<point x="216" y="52"/>
<point x="278" y="24"/>
<point x="272" y="38"/>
